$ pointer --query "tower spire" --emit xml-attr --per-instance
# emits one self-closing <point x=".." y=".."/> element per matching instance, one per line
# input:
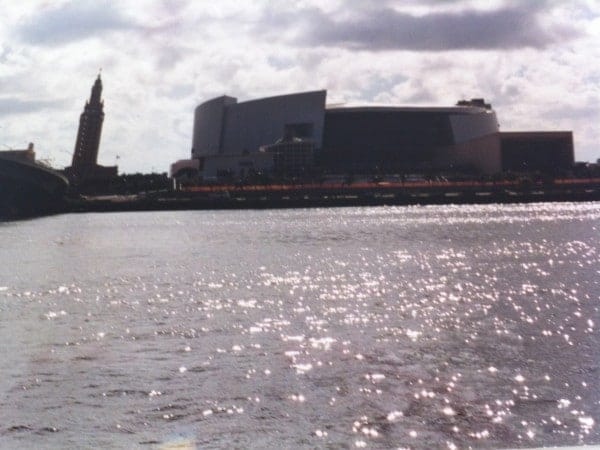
<point x="95" y="98"/>
<point x="90" y="128"/>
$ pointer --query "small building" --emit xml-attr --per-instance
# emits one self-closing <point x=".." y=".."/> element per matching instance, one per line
<point x="547" y="152"/>
<point x="292" y="156"/>
<point x="27" y="155"/>
<point x="185" y="171"/>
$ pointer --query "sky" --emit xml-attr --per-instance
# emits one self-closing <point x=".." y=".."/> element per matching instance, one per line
<point x="536" y="61"/>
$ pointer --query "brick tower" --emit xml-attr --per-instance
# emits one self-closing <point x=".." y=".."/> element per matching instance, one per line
<point x="90" y="128"/>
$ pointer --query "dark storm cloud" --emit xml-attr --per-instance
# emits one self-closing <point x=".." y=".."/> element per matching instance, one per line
<point x="11" y="105"/>
<point x="71" y="22"/>
<point x="387" y="29"/>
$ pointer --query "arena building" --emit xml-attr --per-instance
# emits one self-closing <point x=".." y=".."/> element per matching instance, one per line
<point x="297" y="133"/>
<point x="404" y="139"/>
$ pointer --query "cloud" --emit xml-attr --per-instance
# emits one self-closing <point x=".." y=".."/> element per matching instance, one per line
<point x="72" y="21"/>
<point x="510" y="27"/>
<point x="11" y="105"/>
<point x="160" y="58"/>
<point x="573" y="112"/>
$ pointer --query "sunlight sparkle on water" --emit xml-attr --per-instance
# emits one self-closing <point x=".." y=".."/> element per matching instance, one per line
<point x="425" y="327"/>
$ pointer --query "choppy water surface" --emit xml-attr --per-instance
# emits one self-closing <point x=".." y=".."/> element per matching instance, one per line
<point x="424" y="327"/>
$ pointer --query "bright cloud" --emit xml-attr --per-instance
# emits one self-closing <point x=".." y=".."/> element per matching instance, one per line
<point x="76" y="20"/>
<point x="534" y="61"/>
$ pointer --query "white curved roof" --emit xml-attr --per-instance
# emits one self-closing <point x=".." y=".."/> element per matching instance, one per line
<point x="416" y="109"/>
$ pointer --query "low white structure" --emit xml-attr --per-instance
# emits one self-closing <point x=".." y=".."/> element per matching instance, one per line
<point x="235" y="166"/>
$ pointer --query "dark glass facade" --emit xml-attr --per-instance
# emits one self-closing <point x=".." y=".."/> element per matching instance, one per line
<point x="546" y="152"/>
<point x="371" y="141"/>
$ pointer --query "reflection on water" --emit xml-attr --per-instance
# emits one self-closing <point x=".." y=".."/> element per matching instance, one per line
<point x="423" y="327"/>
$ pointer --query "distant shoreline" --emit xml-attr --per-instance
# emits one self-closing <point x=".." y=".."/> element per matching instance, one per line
<point x="311" y="196"/>
<point x="33" y="204"/>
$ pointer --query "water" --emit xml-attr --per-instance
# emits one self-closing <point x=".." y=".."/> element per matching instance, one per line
<point x="423" y="327"/>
